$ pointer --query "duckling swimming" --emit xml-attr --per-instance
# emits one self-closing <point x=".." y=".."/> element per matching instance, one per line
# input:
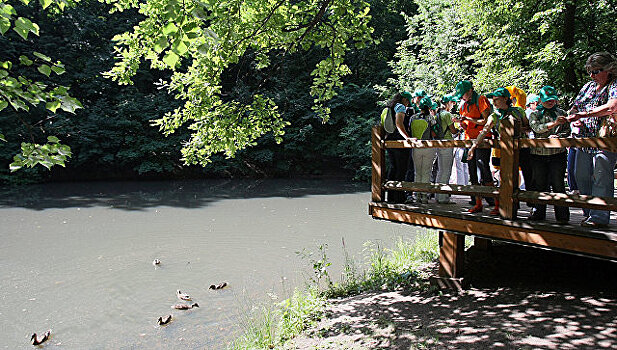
<point x="163" y="320"/>
<point x="184" y="306"/>
<point x="156" y="262"/>
<point x="218" y="286"/>
<point x="40" y="340"/>
<point x="182" y="296"/>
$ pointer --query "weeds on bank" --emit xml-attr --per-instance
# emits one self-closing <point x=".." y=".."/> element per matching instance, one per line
<point x="384" y="269"/>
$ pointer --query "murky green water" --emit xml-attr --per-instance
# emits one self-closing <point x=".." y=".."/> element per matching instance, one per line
<point x="77" y="258"/>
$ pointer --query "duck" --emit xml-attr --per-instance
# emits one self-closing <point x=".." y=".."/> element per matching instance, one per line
<point x="218" y="286"/>
<point x="163" y="320"/>
<point x="156" y="262"/>
<point x="182" y="296"/>
<point x="184" y="306"/>
<point x="36" y="340"/>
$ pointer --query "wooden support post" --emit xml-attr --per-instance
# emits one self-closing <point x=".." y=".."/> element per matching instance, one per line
<point x="451" y="261"/>
<point x="508" y="169"/>
<point x="482" y="243"/>
<point x="378" y="163"/>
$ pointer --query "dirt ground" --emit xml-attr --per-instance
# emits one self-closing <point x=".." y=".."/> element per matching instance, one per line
<point x="519" y="298"/>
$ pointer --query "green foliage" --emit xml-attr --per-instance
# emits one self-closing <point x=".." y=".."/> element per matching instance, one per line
<point x="524" y="43"/>
<point x="23" y="91"/>
<point x="200" y="40"/>
<point x="47" y="155"/>
<point x="113" y="131"/>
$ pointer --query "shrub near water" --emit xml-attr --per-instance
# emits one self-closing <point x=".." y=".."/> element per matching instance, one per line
<point x="386" y="269"/>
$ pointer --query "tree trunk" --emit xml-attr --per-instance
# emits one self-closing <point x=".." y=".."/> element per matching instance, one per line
<point x="569" y="31"/>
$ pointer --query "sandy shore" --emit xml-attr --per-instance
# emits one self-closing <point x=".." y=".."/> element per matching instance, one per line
<point x="519" y="298"/>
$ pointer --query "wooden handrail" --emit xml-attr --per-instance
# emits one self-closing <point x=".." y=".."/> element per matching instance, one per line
<point x="609" y="143"/>
<point x="508" y="193"/>
<point x="484" y="191"/>
<point x="440" y="144"/>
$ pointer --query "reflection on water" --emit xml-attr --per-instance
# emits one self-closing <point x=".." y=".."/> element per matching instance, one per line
<point x="77" y="258"/>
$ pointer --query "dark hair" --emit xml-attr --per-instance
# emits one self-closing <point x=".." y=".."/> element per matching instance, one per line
<point x="603" y="60"/>
<point x="397" y="98"/>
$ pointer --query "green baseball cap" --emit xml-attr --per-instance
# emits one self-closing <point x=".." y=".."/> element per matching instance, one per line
<point x="419" y="93"/>
<point x="501" y="92"/>
<point x="461" y="89"/>
<point x="531" y="98"/>
<point x="407" y="95"/>
<point x="548" y="93"/>
<point x="425" y="102"/>
<point x="448" y="98"/>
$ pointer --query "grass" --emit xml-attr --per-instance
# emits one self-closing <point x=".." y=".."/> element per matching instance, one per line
<point x="384" y="269"/>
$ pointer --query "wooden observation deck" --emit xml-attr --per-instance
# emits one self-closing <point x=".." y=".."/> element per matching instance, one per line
<point x="454" y="222"/>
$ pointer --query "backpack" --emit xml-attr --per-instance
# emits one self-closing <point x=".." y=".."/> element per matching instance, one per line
<point x="438" y="128"/>
<point x="420" y="127"/>
<point x="387" y="120"/>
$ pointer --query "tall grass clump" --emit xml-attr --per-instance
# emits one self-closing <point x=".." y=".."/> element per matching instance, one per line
<point x="382" y="269"/>
<point x="275" y="323"/>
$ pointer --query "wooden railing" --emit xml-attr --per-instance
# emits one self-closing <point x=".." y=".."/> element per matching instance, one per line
<point x="508" y="192"/>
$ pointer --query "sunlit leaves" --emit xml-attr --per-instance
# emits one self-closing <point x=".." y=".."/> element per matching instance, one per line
<point x="21" y="92"/>
<point x="24" y="26"/>
<point x="48" y="154"/>
<point x="208" y="37"/>
<point x="44" y="69"/>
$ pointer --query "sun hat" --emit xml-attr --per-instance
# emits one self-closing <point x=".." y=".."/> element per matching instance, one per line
<point x="448" y="98"/>
<point x="425" y="102"/>
<point x="532" y="98"/>
<point x="461" y="89"/>
<point x="548" y="93"/>
<point x="419" y="93"/>
<point x="501" y="92"/>
<point x="407" y="95"/>
<point x="519" y="95"/>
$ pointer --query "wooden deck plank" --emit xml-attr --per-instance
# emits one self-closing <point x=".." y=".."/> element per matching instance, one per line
<point x="569" y="238"/>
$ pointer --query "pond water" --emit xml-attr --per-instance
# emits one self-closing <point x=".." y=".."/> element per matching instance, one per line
<point x="77" y="257"/>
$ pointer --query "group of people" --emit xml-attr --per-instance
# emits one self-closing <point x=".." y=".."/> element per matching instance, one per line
<point x="589" y="170"/>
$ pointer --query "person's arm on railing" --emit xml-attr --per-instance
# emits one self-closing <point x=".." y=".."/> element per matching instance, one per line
<point x="606" y="109"/>
<point x="539" y="128"/>
<point x="487" y="127"/>
<point x="400" y="125"/>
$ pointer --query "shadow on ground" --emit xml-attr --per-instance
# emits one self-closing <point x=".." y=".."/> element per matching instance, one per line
<point x="185" y="194"/>
<point x="520" y="298"/>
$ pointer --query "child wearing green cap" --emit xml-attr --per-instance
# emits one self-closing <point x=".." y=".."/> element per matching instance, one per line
<point x="549" y="164"/>
<point x="445" y="156"/>
<point x="421" y="126"/>
<point x="474" y="112"/>
<point x="398" y="157"/>
<point x="504" y="110"/>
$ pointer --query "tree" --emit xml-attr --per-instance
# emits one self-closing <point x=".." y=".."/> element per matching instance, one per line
<point x="200" y="40"/>
<point x="25" y="89"/>
<point x="525" y="43"/>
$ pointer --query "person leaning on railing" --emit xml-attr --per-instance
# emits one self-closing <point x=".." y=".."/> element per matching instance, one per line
<point x="421" y="126"/>
<point x="473" y="115"/>
<point x="398" y="157"/>
<point x="445" y="156"/>
<point x="549" y="164"/>
<point x="504" y="110"/>
<point x="519" y="99"/>
<point x="596" y="107"/>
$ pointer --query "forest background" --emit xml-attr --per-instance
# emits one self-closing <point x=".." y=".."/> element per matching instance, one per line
<point x="430" y="44"/>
